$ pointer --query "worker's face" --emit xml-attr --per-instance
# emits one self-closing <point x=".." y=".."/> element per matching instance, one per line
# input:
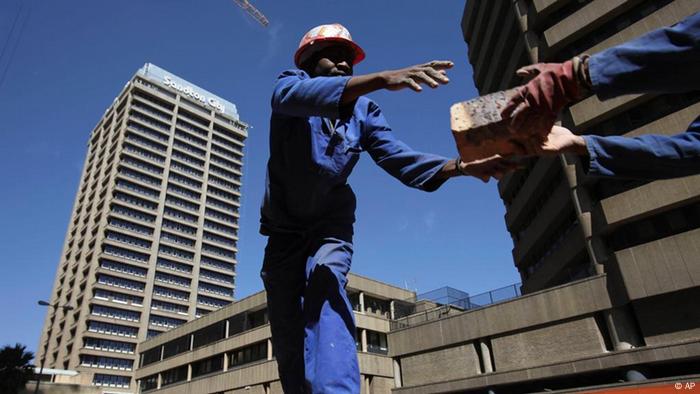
<point x="334" y="61"/>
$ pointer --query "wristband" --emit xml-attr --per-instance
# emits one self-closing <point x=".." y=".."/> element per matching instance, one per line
<point x="459" y="167"/>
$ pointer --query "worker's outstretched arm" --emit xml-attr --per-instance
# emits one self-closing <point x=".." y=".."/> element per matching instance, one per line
<point x="431" y="74"/>
<point x="640" y="157"/>
<point x="424" y="171"/>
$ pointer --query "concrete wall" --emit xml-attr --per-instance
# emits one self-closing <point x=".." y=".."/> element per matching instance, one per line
<point x="440" y="365"/>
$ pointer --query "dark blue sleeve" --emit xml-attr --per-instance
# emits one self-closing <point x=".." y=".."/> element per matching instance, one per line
<point x="296" y="94"/>
<point x="414" y="169"/>
<point x="666" y="60"/>
<point x="646" y="156"/>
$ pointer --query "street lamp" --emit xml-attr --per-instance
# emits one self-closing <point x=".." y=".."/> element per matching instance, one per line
<point x="43" y="358"/>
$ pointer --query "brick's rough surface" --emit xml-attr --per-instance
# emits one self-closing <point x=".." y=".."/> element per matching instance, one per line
<point x="478" y="128"/>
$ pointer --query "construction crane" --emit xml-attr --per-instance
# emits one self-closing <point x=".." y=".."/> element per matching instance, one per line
<point x="252" y="11"/>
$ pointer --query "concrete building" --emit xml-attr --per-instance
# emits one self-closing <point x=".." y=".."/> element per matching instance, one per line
<point x="610" y="269"/>
<point x="152" y="239"/>
<point x="230" y="350"/>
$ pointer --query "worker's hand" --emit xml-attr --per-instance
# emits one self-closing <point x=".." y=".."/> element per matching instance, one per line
<point x="559" y="140"/>
<point x="494" y="166"/>
<point x="432" y="74"/>
<point x="536" y="107"/>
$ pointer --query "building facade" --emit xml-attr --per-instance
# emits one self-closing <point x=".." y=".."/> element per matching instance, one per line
<point x="610" y="269"/>
<point x="230" y="351"/>
<point x="152" y="239"/>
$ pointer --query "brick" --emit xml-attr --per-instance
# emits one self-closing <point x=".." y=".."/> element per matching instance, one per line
<point x="478" y="128"/>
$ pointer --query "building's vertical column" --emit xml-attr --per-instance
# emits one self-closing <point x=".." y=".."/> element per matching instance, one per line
<point x="392" y="309"/>
<point x="189" y="372"/>
<point x="362" y="302"/>
<point x="365" y="384"/>
<point x="485" y="356"/>
<point x="364" y="340"/>
<point x="397" y="373"/>
<point x="269" y="349"/>
<point x="160" y="381"/>
<point x="226" y="358"/>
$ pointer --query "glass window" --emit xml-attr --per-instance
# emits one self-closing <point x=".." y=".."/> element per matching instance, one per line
<point x="209" y="334"/>
<point x="208" y="365"/>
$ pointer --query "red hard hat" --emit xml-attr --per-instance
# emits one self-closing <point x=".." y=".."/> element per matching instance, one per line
<point x="326" y="33"/>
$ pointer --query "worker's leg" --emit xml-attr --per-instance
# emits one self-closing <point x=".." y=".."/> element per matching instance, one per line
<point x="330" y="351"/>
<point x="284" y="279"/>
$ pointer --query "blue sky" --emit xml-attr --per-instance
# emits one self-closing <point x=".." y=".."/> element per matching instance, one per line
<point x="73" y="57"/>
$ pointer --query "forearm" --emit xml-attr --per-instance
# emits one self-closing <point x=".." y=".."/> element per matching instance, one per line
<point x="662" y="61"/>
<point x="361" y="85"/>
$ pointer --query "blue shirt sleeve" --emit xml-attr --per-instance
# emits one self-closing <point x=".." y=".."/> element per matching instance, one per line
<point x="296" y="94"/>
<point x="666" y="60"/>
<point x="646" y="156"/>
<point x="412" y="168"/>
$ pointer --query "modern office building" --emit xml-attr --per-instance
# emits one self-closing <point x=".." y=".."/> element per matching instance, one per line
<point x="230" y="351"/>
<point x="151" y="243"/>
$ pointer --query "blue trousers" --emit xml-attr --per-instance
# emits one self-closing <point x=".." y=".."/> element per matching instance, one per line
<point x="311" y="318"/>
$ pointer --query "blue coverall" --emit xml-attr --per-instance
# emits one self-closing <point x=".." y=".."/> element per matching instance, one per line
<point x="666" y="60"/>
<point x="308" y="213"/>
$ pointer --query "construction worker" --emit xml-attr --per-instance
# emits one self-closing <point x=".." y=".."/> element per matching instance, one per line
<point x="320" y="124"/>
<point x="666" y="60"/>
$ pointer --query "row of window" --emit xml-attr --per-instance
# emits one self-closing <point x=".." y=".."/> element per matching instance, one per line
<point x="189" y="137"/>
<point x="183" y="228"/>
<point x="182" y="203"/>
<point x="210" y="261"/>
<point x="170" y="293"/>
<point x="120" y="282"/>
<point x="179" y="253"/>
<point x="136" y="188"/>
<point x="123" y="268"/>
<point x="126" y="225"/>
<point x="112" y="329"/>
<point x="214" y="289"/>
<point x="144" y="153"/>
<point x="125" y="254"/>
<point x="172" y="279"/>
<point x="133" y="174"/>
<point x="169" y="307"/>
<point x="111" y="381"/>
<point x="216" y="276"/>
<point x="173" y="265"/>
<point x="127" y="239"/>
<point x="118" y="297"/>
<point x="218" y="251"/>
<point x="115" y="313"/>
<point x="106" y="362"/>
<point x="170" y="237"/>
<point x="237" y="324"/>
<point x="186" y="169"/>
<point x="162" y="321"/>
<point x="121" y="210"/>
<point x="209" y="301"/>
<point x="110" y="346"/>
<point x="126" y="159"/>
<point x="133" y="200"/>
<point x="185" y="180"/>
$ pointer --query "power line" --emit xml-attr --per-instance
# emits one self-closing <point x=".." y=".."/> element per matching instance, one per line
<point x="12" y="30"/>
<point x="14" y="48"/>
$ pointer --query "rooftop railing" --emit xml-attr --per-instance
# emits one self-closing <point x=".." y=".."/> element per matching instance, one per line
<point x="447" y="301"/>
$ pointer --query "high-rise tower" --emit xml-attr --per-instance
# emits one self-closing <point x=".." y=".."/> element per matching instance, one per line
<point x="152" y="239"/>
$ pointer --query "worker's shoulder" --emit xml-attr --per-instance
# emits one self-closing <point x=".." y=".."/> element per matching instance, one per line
<point x="293" y="72"/>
